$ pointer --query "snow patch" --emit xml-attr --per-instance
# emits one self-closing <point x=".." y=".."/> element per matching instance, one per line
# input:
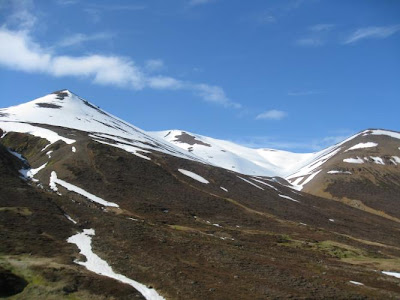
<point x="224" y="189"/>
<point x="362" y="145"/>
<point x="128" y="148"/>
<point x="289" y="198"/>
<point x="99" y="266"/>
<point x="264" y="183"/>
<point x="356" y="282"/>
<point x="395" y="274"/>
<point x="54" y="180"/>
<point x="16" y="154"/>
<point x="29" y="173"/>
<point x="357" y="160"/>
<point x="70" y="219"/>
<point x="253" y="184"/>
<point x="395" y="159"/>
<point x="392" y="134"/>
<point x="339" y="172"/>
<point x="49" y="153"/>
<point x="47" y="134"/>
<point x="378" y="160"/>
<point x="194" y="176"/>
<point x="331" y="220"/>
<point x="73" y="149"/>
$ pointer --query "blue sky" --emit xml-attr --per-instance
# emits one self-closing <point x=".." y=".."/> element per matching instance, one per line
<point x="288" y="74"/>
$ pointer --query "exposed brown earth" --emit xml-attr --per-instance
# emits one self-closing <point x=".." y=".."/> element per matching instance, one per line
<point x="186" y="239"/>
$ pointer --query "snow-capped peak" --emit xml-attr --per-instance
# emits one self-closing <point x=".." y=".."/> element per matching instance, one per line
<point x="65" y="109"/>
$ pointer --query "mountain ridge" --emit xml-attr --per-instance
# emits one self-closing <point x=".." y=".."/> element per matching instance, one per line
<point x="68" y="109"/>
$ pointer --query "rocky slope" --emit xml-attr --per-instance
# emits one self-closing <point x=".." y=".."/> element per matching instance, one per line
<point x="168" y="219"/>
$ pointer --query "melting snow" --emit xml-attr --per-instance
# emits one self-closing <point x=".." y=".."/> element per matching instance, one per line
<point x="47" y="134"/>
<point x="264" y="183"/>
<point x="54" y="180"/>
<point x="224" y="189"/>
<point x="392" y="134"/>
<point x="73" y="149"/>
<point x="128" y="148"/>
<point x="49" y="153"/>
<point x="395" y="274"/>
<point x="362" y="145"/>
<point x="377" y="160"/>
<point x="193" y="176"/>
<point x="69" y="218"/>
<point x="395" y="160"/>
<point x="331" y="220"/>
<point x="356" y="282"/>
<point x="29" y="173"/>
<point x="16" y="154"/>
<point x="289" y="198"/>
<point x="338" y="172"/>
<point x="253" y="184"/>
<point x="99" y="266"/>
<point x="357" y="160"/>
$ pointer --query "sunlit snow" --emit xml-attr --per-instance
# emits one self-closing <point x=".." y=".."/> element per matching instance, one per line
<point x="395" y="274"/>
<point x="194" y="176"/>
<point x="357" y="160"/>
<point x="54" y="180"/>
<point x="362" y="145"/>
<point x="99" y="266"/>
<point x="289" y="198"/>
<point x="29" y="173"/>
<point x="252" y="183"/>
<point x="338" y="172"/>
<point x="378" y="160"/>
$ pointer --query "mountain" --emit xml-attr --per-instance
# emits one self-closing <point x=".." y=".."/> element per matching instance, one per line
<point x="92" y="207"/>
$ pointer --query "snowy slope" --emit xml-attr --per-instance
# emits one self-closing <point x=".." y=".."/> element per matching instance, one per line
<point x="231" y="156"/>
<point x="65" y="109"/>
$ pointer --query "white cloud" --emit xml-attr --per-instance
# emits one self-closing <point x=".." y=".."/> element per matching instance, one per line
<point x="23" y="54"/>
<point x="153" y="65"/>
<point x="165" y="82"/>
<point x="214" y="94"/>
<point x="272" y="115"/>
<point x="20" y="14"/>
<point x="80" y="38"/>
<point x="372" y="33"/>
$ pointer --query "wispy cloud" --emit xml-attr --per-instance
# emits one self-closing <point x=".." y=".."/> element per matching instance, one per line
<point x="322" y="27"/>
<point x="265" y="18"/>
<point x="80" y="38"/>
<point x="23" y="54"/>
<point x="116" y="7"/>
<point x="154" y="65"/>
<point x="372" y="33"/>
<point x="272" y="115"/>
<point x="199" y="2"/>
<point x="303" y="93"/>
<point x="310" y="42"/>
<point x="67" y="2"/>
<point x="96" y="11"/>
<point x="20" y="14"/>
<point x="316" y="35"/>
